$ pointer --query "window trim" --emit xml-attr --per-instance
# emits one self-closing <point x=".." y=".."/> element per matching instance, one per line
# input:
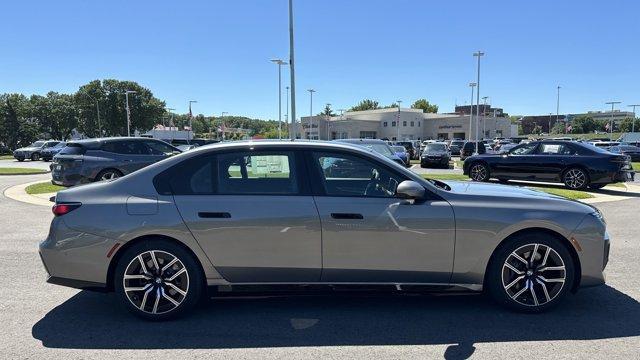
<point x="317" y="177"/>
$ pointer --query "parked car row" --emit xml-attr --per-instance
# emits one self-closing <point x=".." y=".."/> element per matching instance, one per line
<point x="34" y="151"/>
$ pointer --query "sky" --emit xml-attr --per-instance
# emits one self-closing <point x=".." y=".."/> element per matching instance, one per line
<point x="217" y="52"/>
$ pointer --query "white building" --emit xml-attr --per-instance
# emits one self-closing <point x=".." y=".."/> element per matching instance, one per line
<point x="405" y="124"/>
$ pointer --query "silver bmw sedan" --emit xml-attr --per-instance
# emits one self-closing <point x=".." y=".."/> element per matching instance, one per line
<point x="286" y="213"/>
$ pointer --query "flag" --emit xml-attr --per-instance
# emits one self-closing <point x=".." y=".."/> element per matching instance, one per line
<point x="606" y="126"/>
<point x="187" y="128"/>
<point x="569" y="128"/>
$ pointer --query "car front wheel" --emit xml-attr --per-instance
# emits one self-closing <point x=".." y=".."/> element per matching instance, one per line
<point x="35" y="157"/>
<point x="158" y="280"/>
<point x="479" y="172"/>
<point x="531" y="273"/>
<point x="108" y="174"/>
<point x="576" y="179"/>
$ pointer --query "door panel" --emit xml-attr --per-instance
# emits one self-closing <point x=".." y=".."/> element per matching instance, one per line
<point x="386" y="240"/>
<point x="257" y="238"/>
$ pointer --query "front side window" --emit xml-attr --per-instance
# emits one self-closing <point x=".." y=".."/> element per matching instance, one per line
<point x="556" y="149"/>
<point x="347" y="175"/>
<point x="159" y="148"/>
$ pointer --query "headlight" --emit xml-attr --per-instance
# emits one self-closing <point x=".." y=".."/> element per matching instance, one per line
<point x="598" y="215"/>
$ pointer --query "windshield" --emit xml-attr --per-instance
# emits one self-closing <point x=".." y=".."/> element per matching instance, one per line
<point x="72" y="149"/>
<point x="37" y="144"/>
<point x="436" y="147"/>
<point x="399" y="149"/>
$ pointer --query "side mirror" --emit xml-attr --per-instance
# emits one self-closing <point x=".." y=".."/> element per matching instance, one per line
<point x="410" y="190"/>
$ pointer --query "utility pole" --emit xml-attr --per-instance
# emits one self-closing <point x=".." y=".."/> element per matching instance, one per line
<point x="478" y="54"/>
<point x="484" y="114"/>
<point x="291" y="65"/>
<point x="327" y="118"/>
<point x="190" y="122"/>
<point x="633" y="122"/>
<point x="287" y="120"/>
<point x="224" y="127"/>
<point x="279" y="63"/>
<point x="551" y="114"/>
<point x="558" y="111"/>
<point x="126" y="95"/>
<point x="612" y="103"/>
<point x="472" y="85"/>
<point x="398" y="122"/>
<point x="311" y="91"/>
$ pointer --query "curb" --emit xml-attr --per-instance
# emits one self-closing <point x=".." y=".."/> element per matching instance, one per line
<point x="32" y="173"/>
<point x="18" y="193"/>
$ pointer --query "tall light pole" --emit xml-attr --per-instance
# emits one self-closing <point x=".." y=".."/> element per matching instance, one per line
<point x="279" y="63"/>
<point x="327" y="118"/>
<point x="612" y="103"/>
<point x="171" y="122"/>
<point x="224" y="127"/>
<point x="633" y="122"/>
<point x="311" y="91"/>
<point x="291" y="65"/>
<point x="484" y="114"/>
<point x="398" y="121"/>
<point x="478" y="54"/>
<point x="126" y="95"/>
<point x="558" y="110"/>
<point x="287" y="118"/>
<point x="190" y="117"/>
<point x="550" y="115"/>
<point x="472" y="85"/>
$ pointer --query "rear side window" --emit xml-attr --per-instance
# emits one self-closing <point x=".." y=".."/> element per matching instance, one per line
<point x="72" y="149"/>
<point x="125" y="147"/>
<point x="237" y="173"/>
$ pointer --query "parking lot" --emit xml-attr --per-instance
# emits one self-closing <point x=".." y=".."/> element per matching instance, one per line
<point x="46" y="320"/>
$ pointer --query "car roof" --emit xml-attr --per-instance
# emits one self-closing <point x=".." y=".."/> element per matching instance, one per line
<point x="361" y="141"/>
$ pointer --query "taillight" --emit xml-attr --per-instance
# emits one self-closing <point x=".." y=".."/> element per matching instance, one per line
<point x="61" y="209"/>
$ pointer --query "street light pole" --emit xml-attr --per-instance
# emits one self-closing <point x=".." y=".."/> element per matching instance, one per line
<point x="550" y="115"/>
<point x="558" y="111"/>
<point x="327" y="118"/>
<point x="279" y="63"/>
<point x="291" y="64"/>
<point x="633" y="122"/>
<point x="171" y="122"/>
<point x="311" y="91"/>
<point x="484" y="114"/>
<point x="398" y="122"/>
<point x="288" y="120"/>
<point x="190" y="118"/>
<point x="472" y="85"/>
<point x="478" y="54"/>
<point x="126" y="95"/>
<point x="612" y="103"/>
<point x="224" y="127"/>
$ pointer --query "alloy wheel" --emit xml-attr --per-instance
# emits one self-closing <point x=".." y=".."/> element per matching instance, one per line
<point x="575" y="179"/>
<point x="156" y="282"/>
<point x="533" y="274"/>
<point x="478" y="172"/>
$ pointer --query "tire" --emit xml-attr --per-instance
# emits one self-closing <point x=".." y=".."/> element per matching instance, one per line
<point x="108" y="174"/>
<point x="597" y="186"/>
<point x="511" y="285"/>
<point x="185" y="290"/>
<point x="20" y="159"/>
<point x="479" y="172"/>
<point x="575" y="179"/>
<point x="35" y="156"/>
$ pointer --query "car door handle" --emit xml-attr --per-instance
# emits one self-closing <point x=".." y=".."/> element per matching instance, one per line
<point x="347" y="216"/>
<point x="214" y="215"/>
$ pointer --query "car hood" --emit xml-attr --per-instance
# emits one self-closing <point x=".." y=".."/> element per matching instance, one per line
<point x="503" y="191"/>
<point x="28" y="148"/>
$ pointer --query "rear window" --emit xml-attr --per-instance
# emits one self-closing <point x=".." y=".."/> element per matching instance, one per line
<point x="72" y="149"/>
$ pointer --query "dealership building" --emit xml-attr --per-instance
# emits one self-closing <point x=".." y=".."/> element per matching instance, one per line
<point x="403" y="124"/>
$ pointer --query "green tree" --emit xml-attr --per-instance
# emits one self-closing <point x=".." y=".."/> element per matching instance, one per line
<point x="16" y="127"/>
<point x="626" y="125"/>
<point x="537" y="130"/>
<point x="425" y="106"/>
<point x="327" y="111"/>
<point x="366" y="104"/>
<point x="583" y="124"/>
<point x="558" y="128"/>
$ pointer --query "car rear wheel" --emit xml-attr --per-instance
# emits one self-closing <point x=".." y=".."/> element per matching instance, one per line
<point x="576" y="179"/>
<point x="158" y="280"/>
<point x="479" y="172"/>
<point x="531" y="273"/>
<point x="35" y="157"/>
<point x="108" y="174"/>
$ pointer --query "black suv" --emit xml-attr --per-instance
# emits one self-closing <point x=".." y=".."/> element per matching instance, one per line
<point x="469" y="148"/>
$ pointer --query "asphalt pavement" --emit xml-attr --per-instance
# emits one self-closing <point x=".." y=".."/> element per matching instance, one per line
<point x="47" y="321"/>
<point x="12" y="163"/>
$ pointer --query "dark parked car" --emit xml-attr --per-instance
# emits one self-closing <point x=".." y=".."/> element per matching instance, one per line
<point x="577" y="165"/>
<point x="469" y="148"/>
<point x="410" y="147"/>
<point x="47" y="154"/>
<point x="34" y="150"/>
<point x="376" y="145"/>
<point x="91" y="160"/>
<point x="435" y="154"/>
<point x="456" y="146"/>
<point x="632" y="151"/>
<point x="402" y="153"/>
